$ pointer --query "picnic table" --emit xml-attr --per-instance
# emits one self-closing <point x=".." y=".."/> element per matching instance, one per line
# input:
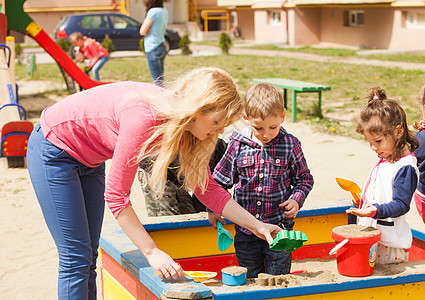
<point x="296" y="87"/>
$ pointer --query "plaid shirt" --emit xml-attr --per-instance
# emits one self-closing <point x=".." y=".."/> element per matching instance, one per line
<point x="265" y="176"/>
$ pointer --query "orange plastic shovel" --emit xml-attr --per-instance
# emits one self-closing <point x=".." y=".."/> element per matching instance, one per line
<point x="350" y="186"/>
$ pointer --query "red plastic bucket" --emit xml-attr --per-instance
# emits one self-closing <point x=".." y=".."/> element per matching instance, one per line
<point x="357" y="257"/>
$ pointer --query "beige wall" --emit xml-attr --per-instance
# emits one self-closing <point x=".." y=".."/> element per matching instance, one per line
<point x="304" y="26"/>
<point x="404" y="38"/>
<point x="266" y="32"/>
<point x="246" y="23"/>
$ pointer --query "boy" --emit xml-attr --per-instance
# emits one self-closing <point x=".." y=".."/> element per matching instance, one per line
<point x="91" y="49"/>
<point x="271" y="176"/>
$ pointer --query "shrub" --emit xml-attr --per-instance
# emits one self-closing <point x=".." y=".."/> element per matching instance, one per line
<point x="225" y="42"/>
<point x="142" y="45"/>
<point x="108" y="44"/>
<point x="64" y="44"/>
<point x="18" y="52"/>
<point x="184" y="44"/>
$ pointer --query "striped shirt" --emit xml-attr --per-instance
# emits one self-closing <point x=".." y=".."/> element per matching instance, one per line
<point x="265" y="176"/>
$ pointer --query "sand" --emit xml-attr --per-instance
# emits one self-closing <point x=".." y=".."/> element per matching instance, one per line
<point x="28" y="255"/>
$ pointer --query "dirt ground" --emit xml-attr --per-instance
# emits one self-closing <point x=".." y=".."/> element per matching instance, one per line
<point x="29" y="260"/>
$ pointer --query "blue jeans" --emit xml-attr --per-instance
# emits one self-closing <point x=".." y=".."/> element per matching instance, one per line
<point x="71" y="199"/>
<point x="255" y="254"/>
<point x="156" y="59"/>
<point x="99" y="64"/>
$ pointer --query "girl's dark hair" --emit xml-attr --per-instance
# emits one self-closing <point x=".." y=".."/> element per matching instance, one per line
<point x="153" y="3"/>
<point x="376" y="91"/>
<point x="383" y="117"/>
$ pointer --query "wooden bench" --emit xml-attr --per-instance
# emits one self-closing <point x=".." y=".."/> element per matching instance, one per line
<point x="296" y="87"/>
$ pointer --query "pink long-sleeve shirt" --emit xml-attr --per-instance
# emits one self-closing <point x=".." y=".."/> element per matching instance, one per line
<point x="112" y="121"/>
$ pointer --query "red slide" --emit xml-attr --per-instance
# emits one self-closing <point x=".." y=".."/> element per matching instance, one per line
<point x="60" y="56"/>
<point x="18" y="20"/>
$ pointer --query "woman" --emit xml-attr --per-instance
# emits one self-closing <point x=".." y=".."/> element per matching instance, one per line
<point x="125" y="122"/>
<point x="153" y="29"/>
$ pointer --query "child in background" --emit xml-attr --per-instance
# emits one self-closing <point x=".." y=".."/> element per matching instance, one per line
<point x="392" y="182"/>
<point x="91" y="49"/>
<point x="271" y="178"/>
<point x="420" y="156"/>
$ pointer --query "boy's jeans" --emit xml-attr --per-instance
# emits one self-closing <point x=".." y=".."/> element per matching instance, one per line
<point x="155" y="60"/>
<point x="255" y="254"/>
<point x="99" y="64"/>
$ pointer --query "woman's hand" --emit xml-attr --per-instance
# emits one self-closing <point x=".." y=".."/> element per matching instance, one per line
<point x="164" y="265"/>
<point x="362" y="212"/>
<point x="266" y="231"/>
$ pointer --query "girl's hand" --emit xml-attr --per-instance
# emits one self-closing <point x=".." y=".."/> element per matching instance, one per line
<point x="291" y="208"/>
<point x="362" y="212"/>
<point x="213" y="218"/>
<point x="164" y="265"/>
<point x="355" y="203"/>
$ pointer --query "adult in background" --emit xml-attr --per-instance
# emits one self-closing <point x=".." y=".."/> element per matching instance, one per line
<point x="126" y="122"/>
<point x="153" y="29"/>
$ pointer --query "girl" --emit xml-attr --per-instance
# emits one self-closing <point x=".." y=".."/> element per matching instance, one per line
<point x="153" y="29"/>
<point x="420" y="156"/>
<point x="126" y="122"/>
<point x="392" y="181"/>
<point x="91" y="49"/>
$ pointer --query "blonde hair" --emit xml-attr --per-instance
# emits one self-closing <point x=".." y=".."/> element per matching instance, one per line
<point x="263" y="100"/>
<point x="75" y="36"/>
<point x="203" y="90"/>
<point x="384" y="117"/>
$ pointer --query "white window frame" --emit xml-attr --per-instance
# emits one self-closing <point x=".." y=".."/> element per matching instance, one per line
<point x="354" y="19"/>
<point x="275" y="17"/>
<point x="415" y="20"/>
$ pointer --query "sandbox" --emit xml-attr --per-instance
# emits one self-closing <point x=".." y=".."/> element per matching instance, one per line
<point x="126" y="273"/>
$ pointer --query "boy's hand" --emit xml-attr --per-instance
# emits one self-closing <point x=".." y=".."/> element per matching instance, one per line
<point x="213" y="218"/>
<point x="291" y="208"/>
<point x="362" y="212"/>
<point x="355" y="203"/>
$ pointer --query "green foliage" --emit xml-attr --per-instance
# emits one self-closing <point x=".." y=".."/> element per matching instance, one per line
<point x="142" y="45"/>
<point x="108" y="44"/>
<point x="184" y="44"/>
<point x="225" y="42"/>
<point x="64" y="44"/>
<point x="18" y="52"/>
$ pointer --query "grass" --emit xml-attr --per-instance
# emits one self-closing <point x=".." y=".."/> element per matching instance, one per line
<point x="348" y="82"/>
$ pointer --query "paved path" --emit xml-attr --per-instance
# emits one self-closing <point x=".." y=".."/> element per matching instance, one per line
<point x="205" y="50"/>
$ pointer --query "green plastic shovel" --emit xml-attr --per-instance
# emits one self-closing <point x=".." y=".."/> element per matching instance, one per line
<point x="224" y="238"/>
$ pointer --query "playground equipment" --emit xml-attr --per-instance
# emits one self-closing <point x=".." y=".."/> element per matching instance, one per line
<point x="18" y="20"/>
<point x="14" y="130"/>
<point x="126" y="274"/>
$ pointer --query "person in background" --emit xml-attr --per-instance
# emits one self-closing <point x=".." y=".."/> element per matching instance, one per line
<point x="92" y="50"/>
<point x="126" y="122"/>
<point x="175" y="200"/>
<point x="392" y="182"/>
<point x="272" y="180"/>
<point x="153" y="31"/>
<point x="420" y="156"/>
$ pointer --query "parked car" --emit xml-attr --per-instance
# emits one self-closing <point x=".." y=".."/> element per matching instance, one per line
<point x="122" y="30"/>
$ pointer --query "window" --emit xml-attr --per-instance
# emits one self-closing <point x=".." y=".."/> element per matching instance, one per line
<point x="120" y="22"/>
<point x="415" y="20"/>
<point x="95" y="22"/>
<point x="274" y="18"/>
<point x="353" y="18"/>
